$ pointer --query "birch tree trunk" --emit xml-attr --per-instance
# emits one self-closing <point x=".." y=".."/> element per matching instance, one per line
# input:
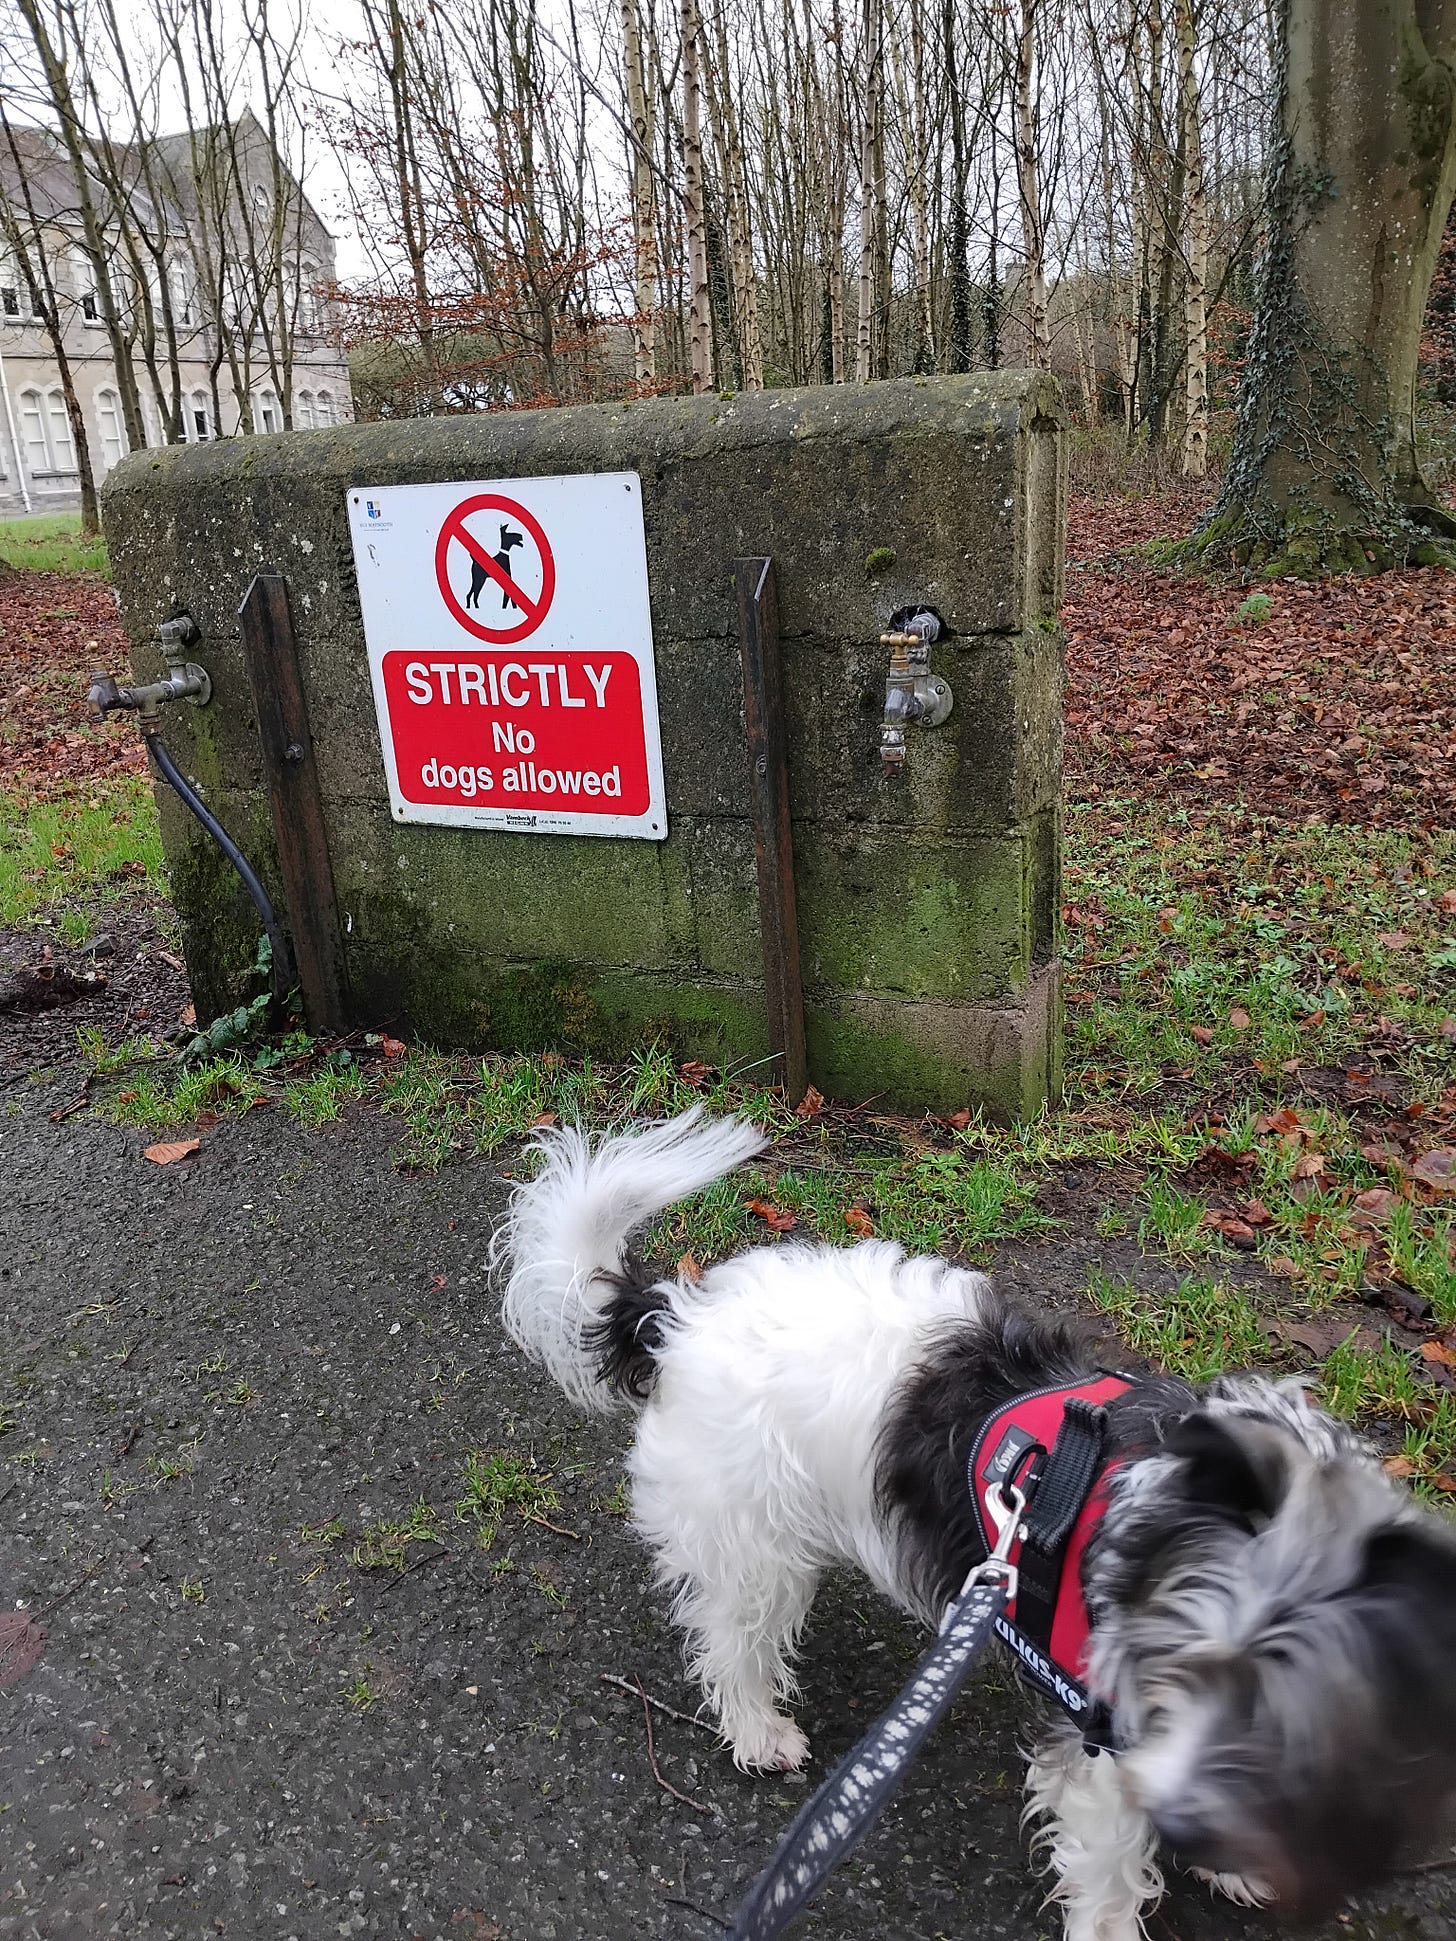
<point x="1195" y="218"/>
<point x="700" y="326"/>
<point x="644" y="210"/>
<point x="869" y="227"/>
<point x="1028" y="185"/>
<point x="735" y="199"/>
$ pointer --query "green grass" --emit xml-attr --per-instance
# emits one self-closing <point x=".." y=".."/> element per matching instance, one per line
<point x="1264" y="936"/>
<point x="51" y="542"/>
<point x="65" y="852"/>
<point x="958" y="1202"/>
<point x="384" y="1545"/>
<point x="1173" y="1224"/>
<point x="496" y="1485"/>
<point x="1198" y="1330"/>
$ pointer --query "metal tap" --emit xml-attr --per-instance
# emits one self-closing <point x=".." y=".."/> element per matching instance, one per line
<point x="185" y="681"/>
<point x="912" y="692"/>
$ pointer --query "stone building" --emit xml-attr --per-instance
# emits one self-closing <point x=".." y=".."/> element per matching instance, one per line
<point x="219" y="310"/>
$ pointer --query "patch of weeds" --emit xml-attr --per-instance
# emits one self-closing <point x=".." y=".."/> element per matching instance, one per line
<point x="547" y="1586"/>
<point x="329" y="1532"/>
<point x="242" y="1395"/>
<point x="1111" y="1223"/>
<point x="321" y="1098"/>
<point x="192" y="1590"/>
<point x="169" y="1469"/>
<point x="147" y="1105"/>
<point x="1173" y="1224"/>
<point x="360" y="1694"/>
<point x="1358" y="1381"/>
<point x="1203" y="1328"/>
<point x="106" y="1059"/>
<point x="497" y="1484"/>
<point x="619" y="1503"/>
<point x="1428" y="1453"/>
<point x="385" y="1545"/>
<point x="1424" y="1256"/>
<point x="1256" y="611"/>
<point x="75" y="925"/>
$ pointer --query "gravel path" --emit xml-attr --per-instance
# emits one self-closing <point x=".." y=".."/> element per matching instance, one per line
<point x="203" y="1363"/>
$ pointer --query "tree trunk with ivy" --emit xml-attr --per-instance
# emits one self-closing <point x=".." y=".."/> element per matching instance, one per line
<point x="1324" y="476"/>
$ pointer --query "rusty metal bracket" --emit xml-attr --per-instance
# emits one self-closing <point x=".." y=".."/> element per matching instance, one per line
<point x="768" y="788"/>
<point x="296" y="800"/>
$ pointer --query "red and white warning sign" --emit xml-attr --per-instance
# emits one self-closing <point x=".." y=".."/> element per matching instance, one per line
<point x="510" y="648"/>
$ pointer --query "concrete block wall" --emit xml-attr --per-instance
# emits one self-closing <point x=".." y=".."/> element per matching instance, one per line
<point x="928" y="902"/>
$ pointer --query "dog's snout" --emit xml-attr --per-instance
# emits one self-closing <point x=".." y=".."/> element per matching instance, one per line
<point x="1189" y="1838"/>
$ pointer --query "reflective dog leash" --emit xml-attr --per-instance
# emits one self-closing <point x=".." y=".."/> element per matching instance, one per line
<point x="836" y="1818"/>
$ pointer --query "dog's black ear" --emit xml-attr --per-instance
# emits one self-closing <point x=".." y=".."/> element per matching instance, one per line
<point x="1412" y="1560"/>
<point x="1231" y="1465"/>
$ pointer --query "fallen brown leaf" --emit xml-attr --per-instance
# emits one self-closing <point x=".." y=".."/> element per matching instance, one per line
<point x="1398" y="1466"/>
<point x="690" y="1268"/>
<point x="771" y="1215"/>
<point x="1240" y="1019"/>
<point x="858" y="1221"/>
<point x="392" y="1047"/>
<point x="1309" y="1165"/>
<point x="1200" y="1034"/>
<point x="1436" y="1169"/>
<point x="168" y="1151"/>
<point x="811" y="1105"/>
<point x="1377" y="1201"/>
<point x="1438" y="1351"/>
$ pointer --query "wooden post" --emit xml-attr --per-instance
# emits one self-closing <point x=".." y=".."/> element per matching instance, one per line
<point x="768" y="786"/>
<point x="271" y="653"/>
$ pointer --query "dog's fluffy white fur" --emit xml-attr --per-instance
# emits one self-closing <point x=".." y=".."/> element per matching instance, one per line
<point x="1273" y="1621"/>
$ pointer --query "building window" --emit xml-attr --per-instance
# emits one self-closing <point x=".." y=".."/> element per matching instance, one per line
<point x="83" y="282"/>
<point x="114" y="446"/>
<point x="181" y="294"/>
<point x="303" y="410"/>
<point x="45" y="432"/>
<point x="324" y="409"/>
<point x="9" y="300"/>
<point x="266" y="414"/>
<point x="61" y="444"/>
<point x="199" y="418"/>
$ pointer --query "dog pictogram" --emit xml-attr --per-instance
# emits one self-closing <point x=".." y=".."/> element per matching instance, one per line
<point x="479" y="573"/>
<point x="521" y="565"/>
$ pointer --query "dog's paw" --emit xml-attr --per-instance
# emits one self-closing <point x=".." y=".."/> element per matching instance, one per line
<point x="1244" y="1890"/>
<point x="771" y="1745"/>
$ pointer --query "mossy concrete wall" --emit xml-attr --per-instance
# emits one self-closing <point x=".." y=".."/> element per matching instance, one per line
<point x="928" y="902"/>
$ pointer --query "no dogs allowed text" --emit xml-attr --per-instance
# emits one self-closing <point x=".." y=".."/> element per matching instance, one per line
<point x="510" y="649"/>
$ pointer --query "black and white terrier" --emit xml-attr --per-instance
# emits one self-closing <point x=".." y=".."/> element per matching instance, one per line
<point x="1272" y="1620"/>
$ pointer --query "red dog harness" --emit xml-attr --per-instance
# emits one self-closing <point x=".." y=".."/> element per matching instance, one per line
<point x="1049" y="1446"/>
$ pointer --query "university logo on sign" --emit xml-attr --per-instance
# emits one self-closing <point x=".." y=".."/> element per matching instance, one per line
<point x="510" y="649"/>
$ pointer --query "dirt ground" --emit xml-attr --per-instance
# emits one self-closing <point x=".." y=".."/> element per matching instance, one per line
<point x="231" y="1369"/>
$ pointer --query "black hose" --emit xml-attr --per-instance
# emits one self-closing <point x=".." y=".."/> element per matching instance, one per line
<point x="282" y="956"/>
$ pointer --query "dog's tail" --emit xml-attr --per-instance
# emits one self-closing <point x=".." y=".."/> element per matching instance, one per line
<point x="564" y="1243"/>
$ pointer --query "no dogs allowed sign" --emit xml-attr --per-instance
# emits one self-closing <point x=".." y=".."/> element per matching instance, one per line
<point x="510" y="647"/>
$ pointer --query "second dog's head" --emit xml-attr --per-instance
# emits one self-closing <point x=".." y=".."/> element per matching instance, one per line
<point x="1275" y="1629"/>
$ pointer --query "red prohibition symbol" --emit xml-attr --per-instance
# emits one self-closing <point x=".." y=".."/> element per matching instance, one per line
<point x="493" y="589"/>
